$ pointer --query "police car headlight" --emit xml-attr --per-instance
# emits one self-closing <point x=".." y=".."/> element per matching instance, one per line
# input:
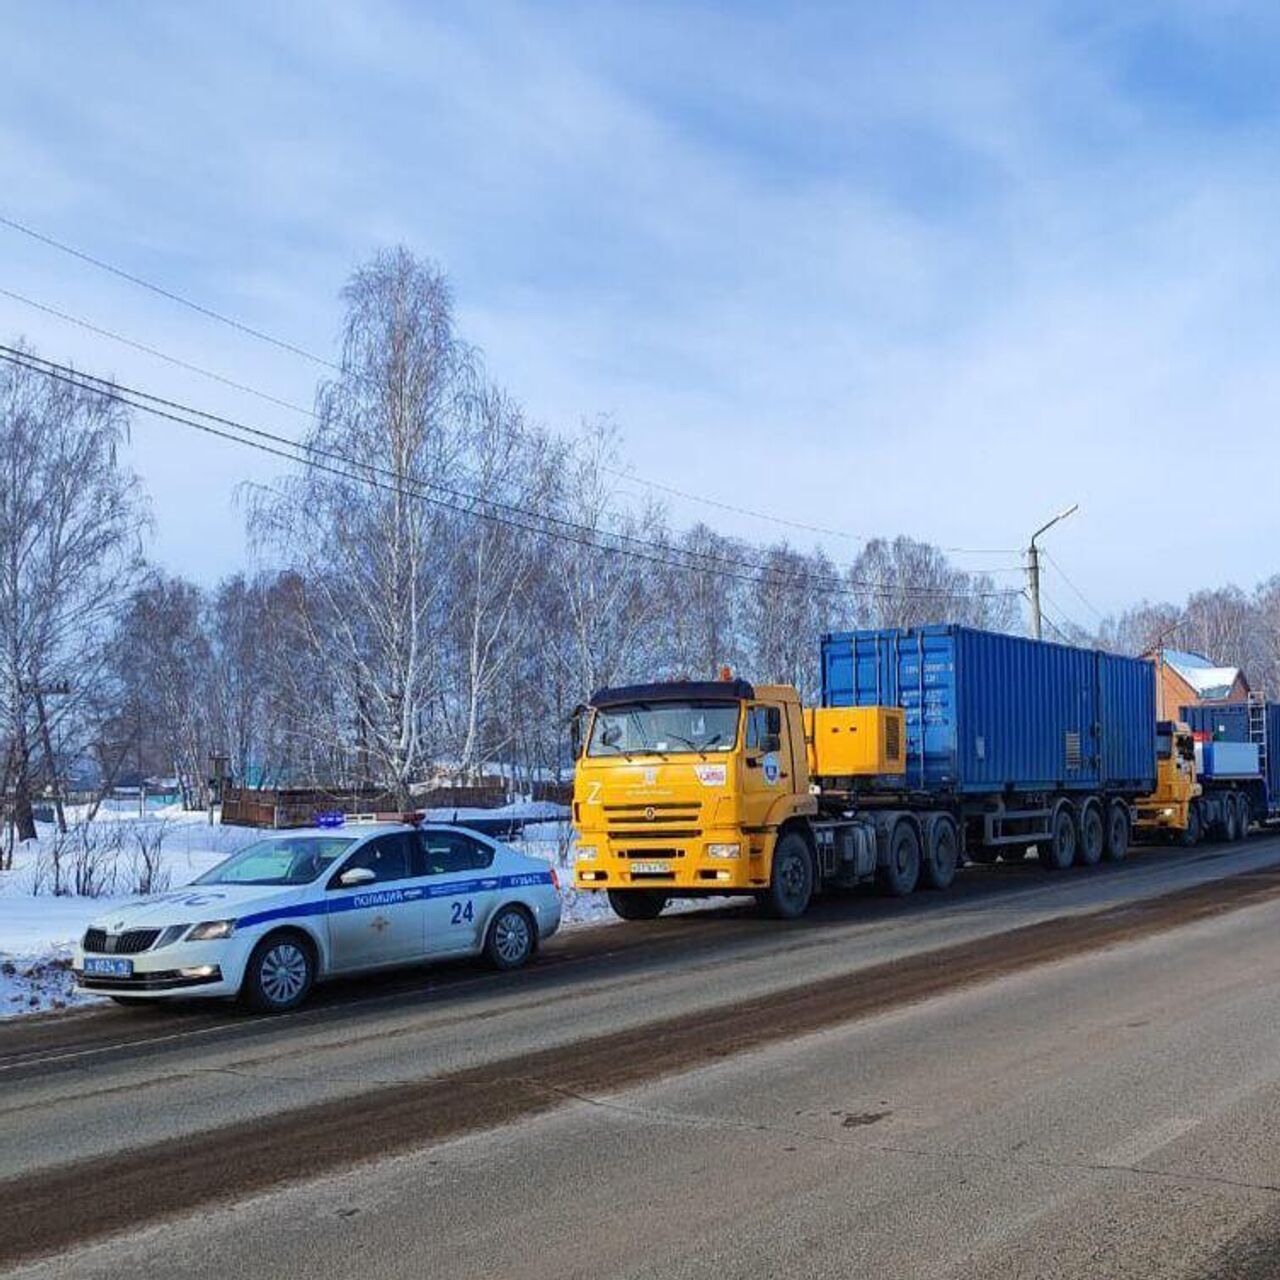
<point x="723" y="850"/>
<point x="212" y="929"/>
<point x="586" y="853"/>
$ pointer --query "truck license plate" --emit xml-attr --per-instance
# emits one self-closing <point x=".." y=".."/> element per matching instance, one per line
<point x="650" y="868"/>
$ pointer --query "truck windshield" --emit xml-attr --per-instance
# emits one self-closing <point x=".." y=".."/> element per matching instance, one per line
<point x="664" y="728"/>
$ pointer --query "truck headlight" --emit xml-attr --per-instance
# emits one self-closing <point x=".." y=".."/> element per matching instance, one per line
<point x="212" y="929"/>
<point x="1166" y="813"/>
<point x="586" y="853"/>
<point x="723" y="850"/>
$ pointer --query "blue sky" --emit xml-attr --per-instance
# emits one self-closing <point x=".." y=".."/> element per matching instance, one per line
<point x="932" y="269"/>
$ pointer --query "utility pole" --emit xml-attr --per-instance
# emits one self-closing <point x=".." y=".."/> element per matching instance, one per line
<point x="1033" y="567"/>
<point x="38" y="692"/>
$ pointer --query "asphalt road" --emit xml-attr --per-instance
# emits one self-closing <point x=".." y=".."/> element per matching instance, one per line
<point x="1025" y="1077"/>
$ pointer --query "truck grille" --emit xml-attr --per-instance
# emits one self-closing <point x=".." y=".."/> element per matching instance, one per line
<point x="670" y="821"/>
<point x="128" y="943"/>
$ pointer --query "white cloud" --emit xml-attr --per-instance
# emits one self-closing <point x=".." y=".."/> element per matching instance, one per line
<point x="913" y="269"/>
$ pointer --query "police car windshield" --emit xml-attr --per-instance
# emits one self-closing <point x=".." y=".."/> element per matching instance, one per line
<point x="289" y="860"/>
<point x="664" y="728"/>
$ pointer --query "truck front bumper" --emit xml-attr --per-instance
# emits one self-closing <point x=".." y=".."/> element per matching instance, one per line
<point x="697" y="866"/>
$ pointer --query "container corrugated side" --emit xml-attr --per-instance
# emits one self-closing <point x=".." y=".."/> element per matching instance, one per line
<point x="1127" y="716"/>
<point x="988" y="713"/>
<point x="1273" y="755"/>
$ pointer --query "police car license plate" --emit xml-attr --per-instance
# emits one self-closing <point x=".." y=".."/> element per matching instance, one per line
<point x="650" y="868"/>
<point x="108" y="966"/>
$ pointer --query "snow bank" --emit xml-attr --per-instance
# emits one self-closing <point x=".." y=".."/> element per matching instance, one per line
<point x="38" y="930"/>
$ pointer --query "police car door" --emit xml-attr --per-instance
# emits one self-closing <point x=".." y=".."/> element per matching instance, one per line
<point x="460" y="889"/>
<point x="380" y="922"/>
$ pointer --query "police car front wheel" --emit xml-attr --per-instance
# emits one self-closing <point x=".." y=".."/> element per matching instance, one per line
<point x="511" y="938"/>
<point x="280" y="973"/>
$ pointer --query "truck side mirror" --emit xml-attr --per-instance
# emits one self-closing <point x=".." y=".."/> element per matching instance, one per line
<point x="576" y="719"/>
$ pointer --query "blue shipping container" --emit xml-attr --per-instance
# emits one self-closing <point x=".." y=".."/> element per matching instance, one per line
<point x="1222" y="721"/>
<point x="989" y="713"/>
<point x="1272" y="766"/>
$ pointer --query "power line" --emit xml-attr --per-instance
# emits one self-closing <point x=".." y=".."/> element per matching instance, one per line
<point x="1084" y="600"/>
<point x="108" y="387"/>
<point x="162" y="292"/>
<point x="322" y="459"/>
<point x="296" y="350"/>
<point x="1057" y="630"/>
<point x="792" y="524"/>
<point x="155" y="351"/>
<point x="628" y="476"/>
<point x="1063" y="615"/>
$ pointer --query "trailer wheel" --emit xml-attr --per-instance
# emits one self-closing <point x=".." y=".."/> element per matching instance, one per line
<point x="791" y="878"/>
<point x="1244" y="818"/>
<point x="1194" y="829"/>
<point x="1119" y="832"/>
<point x="1230" y="829"/>
<point x="898" y="876"/>
<point x="1092" y="837"/>
<point x="637" y="904"/>
<point x="1059" y="851"/>
<point x="942" y="856"/>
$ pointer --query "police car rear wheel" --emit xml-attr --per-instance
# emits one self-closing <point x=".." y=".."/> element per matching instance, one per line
<point x="279" y="974"/>
<point x="511" y="939"/>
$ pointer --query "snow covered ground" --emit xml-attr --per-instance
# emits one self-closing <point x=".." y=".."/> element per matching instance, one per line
<point x="38" y="929"/>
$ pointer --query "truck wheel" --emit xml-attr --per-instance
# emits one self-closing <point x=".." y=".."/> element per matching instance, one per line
<point x="1092" y="837"/>
<point x="943" y="855"/>
<point x="898" y="876"/>
<point x="791" y="878"/>
<point x="1244" y="817"/>
<point x="1119" y="833"/>
<point x="1230" y="831"/>
<point x="637" y="904"/>
<point x="1059" y="851"/>
<point x="1194" y="829"/>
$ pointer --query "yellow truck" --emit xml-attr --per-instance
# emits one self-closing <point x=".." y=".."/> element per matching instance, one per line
<point x="1204" y="790"/>
<point x="701" y="788"/>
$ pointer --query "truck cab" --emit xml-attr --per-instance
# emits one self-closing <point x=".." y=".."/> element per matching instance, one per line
<point x="682" y="788"/>
<point x="1170" y="808"/>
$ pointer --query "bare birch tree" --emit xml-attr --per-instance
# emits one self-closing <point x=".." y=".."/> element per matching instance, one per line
<point x="515" y="470"/>
<point x="612" y="598"/>
<point x="374" y="540"/>
<point x="71" y="518"/>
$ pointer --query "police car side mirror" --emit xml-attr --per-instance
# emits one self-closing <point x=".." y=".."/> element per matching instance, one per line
<point x="355" y="877"/>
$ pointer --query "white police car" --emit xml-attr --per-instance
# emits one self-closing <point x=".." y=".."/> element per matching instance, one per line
<point x="302" y="905"/>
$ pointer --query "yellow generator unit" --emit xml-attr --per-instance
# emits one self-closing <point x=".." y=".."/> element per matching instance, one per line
<point x="846" y="742"/>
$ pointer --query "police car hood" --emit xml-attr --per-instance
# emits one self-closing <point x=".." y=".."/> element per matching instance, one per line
<point x="199" y="902"/>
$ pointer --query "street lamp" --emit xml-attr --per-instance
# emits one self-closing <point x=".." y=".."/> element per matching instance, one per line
<point x="1033" y="566"/>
